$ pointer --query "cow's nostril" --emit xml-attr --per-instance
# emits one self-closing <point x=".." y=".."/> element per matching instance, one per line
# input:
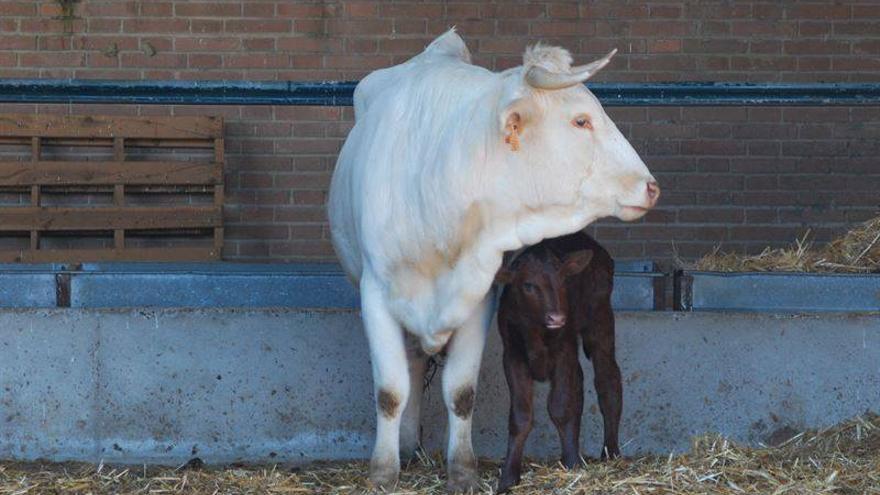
<point x="653" y="191"/>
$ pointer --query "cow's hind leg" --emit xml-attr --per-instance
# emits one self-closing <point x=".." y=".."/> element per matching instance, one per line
<point x="460" y="373"/>
<point x="410" y="426"/>
<point x="390" y="382"/>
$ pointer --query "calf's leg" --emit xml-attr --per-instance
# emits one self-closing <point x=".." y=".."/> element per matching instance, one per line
<point x="460" y="372"/>
<point x="566" y="404"/>
<point x="410" y="426"/>
<point x="519" y="383"/>
<point x="390" y="382"/>
<point x="599" y="341"/>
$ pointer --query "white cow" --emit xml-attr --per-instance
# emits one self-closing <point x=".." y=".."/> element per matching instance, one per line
<point x="448" y="166"/>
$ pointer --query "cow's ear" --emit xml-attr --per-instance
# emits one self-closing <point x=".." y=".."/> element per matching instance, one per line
<point x="504" y="276"/>
<point x="514" y="120"/>
<point x="575" y="262"/>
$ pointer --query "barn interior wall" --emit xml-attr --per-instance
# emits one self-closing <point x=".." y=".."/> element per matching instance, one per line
<point x="743" y="177"/>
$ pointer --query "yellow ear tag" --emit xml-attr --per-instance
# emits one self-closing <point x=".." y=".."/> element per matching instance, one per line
<point x="513" y="138"/>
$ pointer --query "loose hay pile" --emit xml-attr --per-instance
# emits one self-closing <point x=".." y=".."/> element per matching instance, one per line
<point x="843" y="460"/>
<point x="858" y="251"/>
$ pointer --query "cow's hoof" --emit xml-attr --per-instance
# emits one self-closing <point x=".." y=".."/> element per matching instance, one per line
<point x="383" y="478"/>
<point x="463" y="480"/>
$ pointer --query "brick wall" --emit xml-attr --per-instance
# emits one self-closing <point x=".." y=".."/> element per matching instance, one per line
<point x="746" y="177"/>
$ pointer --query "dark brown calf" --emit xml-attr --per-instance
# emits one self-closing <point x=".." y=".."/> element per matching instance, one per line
<point x="551" y="297"/>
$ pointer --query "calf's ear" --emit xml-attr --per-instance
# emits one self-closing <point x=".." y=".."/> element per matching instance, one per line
<point x="575" y="262"/>
<point x="504" y="276"/>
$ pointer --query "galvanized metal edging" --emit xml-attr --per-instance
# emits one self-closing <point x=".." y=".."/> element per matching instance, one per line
<point x="780" y="292"/>
<point x="340" y="93"/>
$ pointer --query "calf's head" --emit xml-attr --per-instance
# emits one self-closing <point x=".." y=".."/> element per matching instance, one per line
<point x="564" y="149"/>
<point x="536" y="283"/>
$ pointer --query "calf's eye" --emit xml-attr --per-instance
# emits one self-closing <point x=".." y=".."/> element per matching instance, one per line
<point x="529" y="287"/>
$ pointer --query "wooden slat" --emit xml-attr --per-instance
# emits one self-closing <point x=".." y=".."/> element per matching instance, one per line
<point x="108" y="218"/>
<point x="60" y="173"/>
<point x="100" y="142"/>
<point x="109" y="254"/>
<point x="119" y="191"/>
<point x="89" y="126"/>
<point x="36" y="153"/>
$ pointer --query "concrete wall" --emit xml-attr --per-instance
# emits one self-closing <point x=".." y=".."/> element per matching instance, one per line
<point x="294" y="385"/>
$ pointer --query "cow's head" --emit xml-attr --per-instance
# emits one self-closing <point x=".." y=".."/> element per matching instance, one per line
<point x="561" y="141"/>
<point x="537" y="284"/>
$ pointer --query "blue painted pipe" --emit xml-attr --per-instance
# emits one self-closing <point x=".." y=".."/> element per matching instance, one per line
<point x="339" y="93"/>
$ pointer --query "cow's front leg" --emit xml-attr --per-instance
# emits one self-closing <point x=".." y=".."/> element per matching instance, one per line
<point x="410" y="426"/>
<point x="390" y="382"/>
<point x="460" y="374"/>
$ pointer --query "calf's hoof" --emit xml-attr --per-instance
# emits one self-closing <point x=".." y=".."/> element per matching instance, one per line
<point x="383" y="477"/>
<point x="609" y="454"/>
<point x="507" y="482"/>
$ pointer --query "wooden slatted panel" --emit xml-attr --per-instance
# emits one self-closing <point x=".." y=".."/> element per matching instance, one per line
<point x="49" y="219"/>
<point x="87" y="126"/>
<point x="118" y="176"/>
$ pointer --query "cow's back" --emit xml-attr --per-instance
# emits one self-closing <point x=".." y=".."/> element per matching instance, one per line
<point x="399" y="151"/>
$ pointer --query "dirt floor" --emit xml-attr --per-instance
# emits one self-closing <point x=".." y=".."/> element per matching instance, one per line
<point x="844" y="459"/>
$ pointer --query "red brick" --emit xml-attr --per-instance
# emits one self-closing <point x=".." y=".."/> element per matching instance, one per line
<point x="157" y="9"/>
<point x="258" y="9"/>
<point x="155" y="26"/>
<point x="664" y="46"/>
<point x="304" y="44"/>
<point x="359" y="27"/>
<point x="258" y="26"/>
<point x="202" y="61"/>
<point x="207" y="44"/>
<point x="19" y="9"/>
<point x="310" y="26"/>
<point x="562" y="28"/>
<point x="207" y="9"/>
<point x="115" y="8"/>
<point x="52" y="59"/>
<point x="259" y="44"/>
<point x="820" y="11"/>
<point x="296" y="10"/>
<point x="16" y="42"/>
<point x="206" y="26"/>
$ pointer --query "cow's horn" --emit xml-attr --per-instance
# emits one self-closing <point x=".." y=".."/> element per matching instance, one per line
<point x="539" y="77"/>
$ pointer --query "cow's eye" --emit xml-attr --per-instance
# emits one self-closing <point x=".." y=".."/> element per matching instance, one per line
<point x="530" y="288"/>
<point x="582" y="122"/>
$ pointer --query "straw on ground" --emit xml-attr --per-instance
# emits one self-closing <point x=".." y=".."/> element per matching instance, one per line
<point x="844" y="459"/>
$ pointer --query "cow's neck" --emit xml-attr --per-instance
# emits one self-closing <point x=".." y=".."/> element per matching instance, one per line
<point x="443" y="288"/>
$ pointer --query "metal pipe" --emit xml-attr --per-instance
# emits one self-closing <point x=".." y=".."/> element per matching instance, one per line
<point x="339" y="93"/>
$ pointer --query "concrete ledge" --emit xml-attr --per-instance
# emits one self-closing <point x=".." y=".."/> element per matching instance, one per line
<point x="235" y="285"/>
<point x="160" y="386"/>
